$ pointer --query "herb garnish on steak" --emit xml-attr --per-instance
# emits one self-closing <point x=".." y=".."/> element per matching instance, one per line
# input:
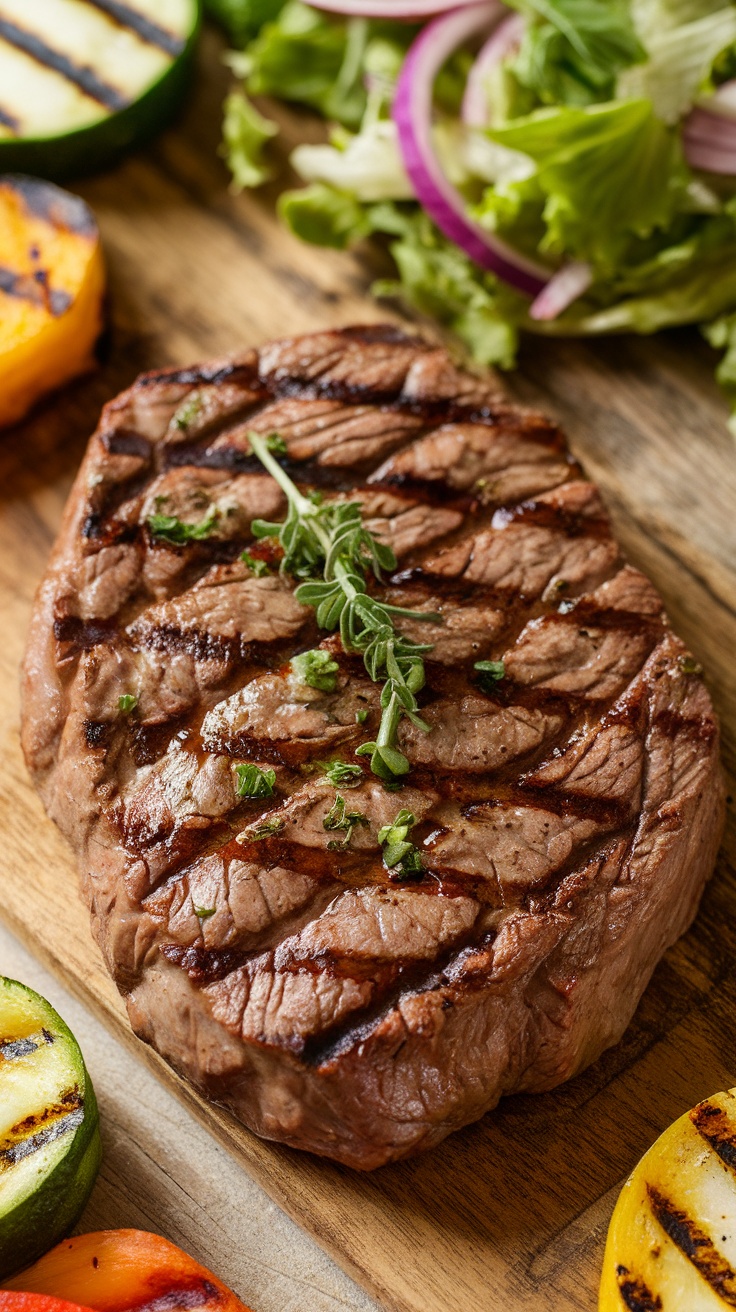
<point x="559" y="819"/>
<point x="331" y="542"/>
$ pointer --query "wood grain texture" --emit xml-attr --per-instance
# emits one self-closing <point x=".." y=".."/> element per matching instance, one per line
<point x="511" y="1213"/>
<point x="162" y="1171"/>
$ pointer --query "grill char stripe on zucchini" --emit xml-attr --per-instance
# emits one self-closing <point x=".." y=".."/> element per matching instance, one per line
<point x="82" y="80"/>
<point x="49" y="1132"/>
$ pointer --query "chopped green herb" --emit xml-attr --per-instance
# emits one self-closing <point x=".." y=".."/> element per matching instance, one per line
<point x="338" y="817"/>
<point x="127" y="703"/>
<point x="361" y="716"/>
<point x="188" y="411"/>
<point x="256" y="566"/>
<point x="689" y="665"/>
<point x="273" y="442"/>
<point x="204" y="913"/>
<point x="399" y="854"/>
<point x="328" y="546"/>
<point x="254" y="782"/>
<point x="317" y="668"/>
<point x="342" y="775"/>
<point x="268" y="828"/>
<point x="491" y="673"/>
<point x="172" y="529"/>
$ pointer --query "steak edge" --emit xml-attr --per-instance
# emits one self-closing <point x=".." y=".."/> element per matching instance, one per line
<point x="568" y="816"/>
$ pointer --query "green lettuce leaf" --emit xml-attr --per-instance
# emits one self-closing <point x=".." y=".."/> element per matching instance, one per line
<point x="324" y="216"/>
<point x="438" y="279"/>
<point x="244" y="135"/>
<point x="679" y="63"/>
<point x="243" y="18"/>
<point x="722" y="334"/>
<point x="307" y="57"/>
<point x="607" y="172"/>
<point x="573" y="50"/>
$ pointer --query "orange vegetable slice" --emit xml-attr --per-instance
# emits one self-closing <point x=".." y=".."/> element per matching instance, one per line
<point x="52" y="283"/>
<point x="117" y="1270"/>
<point x="22" y="1302"/>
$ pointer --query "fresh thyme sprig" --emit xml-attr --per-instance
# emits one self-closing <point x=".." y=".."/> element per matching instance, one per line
<point x="329" y="548"/>
<point x="338" y="817"/>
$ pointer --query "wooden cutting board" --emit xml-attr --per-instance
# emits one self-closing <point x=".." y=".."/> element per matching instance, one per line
<point x="510" y="1214"/>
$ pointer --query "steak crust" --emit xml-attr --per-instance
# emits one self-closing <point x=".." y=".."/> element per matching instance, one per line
<point x="568" y="818"/>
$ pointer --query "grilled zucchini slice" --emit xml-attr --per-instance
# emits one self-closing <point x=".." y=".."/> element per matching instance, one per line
<point x="83" y="80"/>
<point x="49" y="1127"/>
<point x="52" y="283"/>
<point x="672" y="1239"/>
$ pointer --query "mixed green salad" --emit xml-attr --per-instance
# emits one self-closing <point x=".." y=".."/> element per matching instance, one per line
<point x="554" y="166"/>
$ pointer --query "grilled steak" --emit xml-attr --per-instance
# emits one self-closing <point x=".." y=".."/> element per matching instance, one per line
<point x="567" y="813"/>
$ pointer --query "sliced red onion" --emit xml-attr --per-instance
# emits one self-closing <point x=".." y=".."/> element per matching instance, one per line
<point x="506" y="38"/>
<point x="399" y="9"/>
<point x="723" y="101"/>
<point x="711" y="159"/>
<point x="563" y="288"/>
<point x="412" y="113"/>
<point x="712" y="129"/>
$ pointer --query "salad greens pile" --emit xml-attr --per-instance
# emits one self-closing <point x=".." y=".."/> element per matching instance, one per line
<point x="582" y="160"/>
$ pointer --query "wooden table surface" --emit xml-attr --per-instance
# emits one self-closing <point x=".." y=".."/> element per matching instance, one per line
<point x="510" y="1214"/>
<point x="162" y="1171"/>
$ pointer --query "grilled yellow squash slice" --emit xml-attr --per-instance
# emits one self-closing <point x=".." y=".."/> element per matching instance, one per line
<point x="672" y="1239"/>
<point x="52" y="283"/>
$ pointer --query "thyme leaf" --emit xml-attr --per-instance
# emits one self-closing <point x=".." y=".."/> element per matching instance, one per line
<point x="328" y="547"/>
<point x="491" y="673"/>
<point x="267" y="828"/>
<point x="170" y="528"/>
<point x="188" y="411"/>
<point x="341" y="775"/>
<point x="317" y="668"/>
<point x="338" y="817"/>
<point x="400" y="855"/>
<point x="257" y="567"/>
<point x="254" y="782"/>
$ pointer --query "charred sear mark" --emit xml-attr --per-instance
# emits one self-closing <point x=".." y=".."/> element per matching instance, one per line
<point x="145" y="28"/>
<point x="41" y="1128"/>
<point x="58" y="208"/>
<point x="80" y="74"/>
<point x="696" y="1246"/>
<point x="95" y="732"/>
<point x="12" y="1049"/>
<point x="189" y="1296"/>
<point x="126" y="442"/>
<point x="34" y="287"/>
<point x="713" y="1124"/>
<point x="83" y="635"/>
<point x="245" y="375"/>
<point x="9" y="120"/>
<point x="636" y="1296"/>
<point x="203" y="965"/>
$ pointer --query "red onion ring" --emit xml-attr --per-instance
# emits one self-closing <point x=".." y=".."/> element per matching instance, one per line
<point x="412" y="113"/>
<point x="563" y="288"/>
<point x="712" y="129"/>
<point x="398" y="9"/>
<point x="710" y="159"/>
<point x="505" y="39"/>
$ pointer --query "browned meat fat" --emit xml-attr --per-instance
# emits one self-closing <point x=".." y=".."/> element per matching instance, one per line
<point x="568" y="816"/>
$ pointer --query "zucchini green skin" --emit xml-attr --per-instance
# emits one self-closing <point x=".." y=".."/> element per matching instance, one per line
<point x="100" y="145"/>
<point x="50" y="1211"/>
